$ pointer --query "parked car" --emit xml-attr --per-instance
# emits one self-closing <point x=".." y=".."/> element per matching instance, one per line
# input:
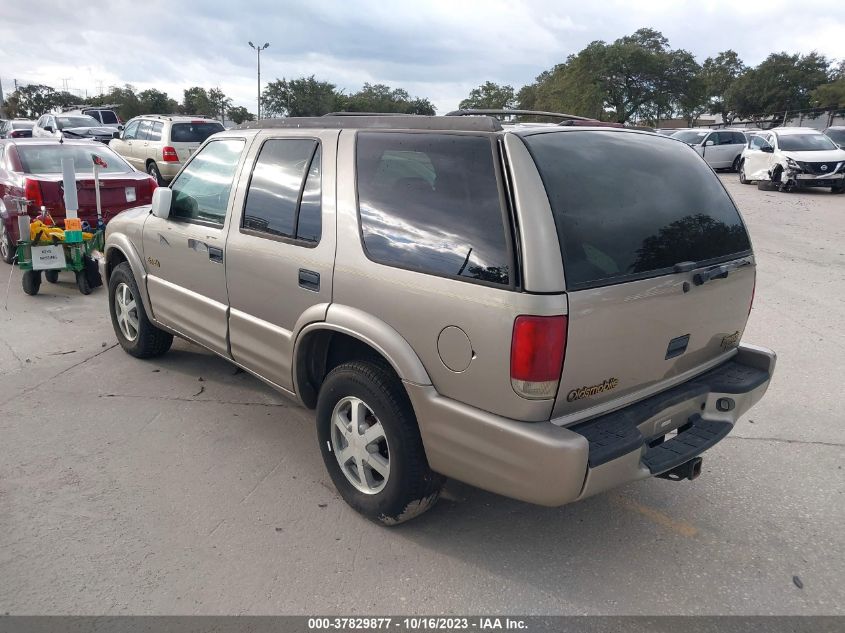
<point x="792" y="158"/>
<point x="836" y="134"/>
<point x="545" y="346"/>
<point x="16" y="128"/>
<point x="72" y="126"/>
<point x="160" y="145"/>
<point x="31" y="169"/>
<point x="104" y="115"/>
<point x="720" y="148"/>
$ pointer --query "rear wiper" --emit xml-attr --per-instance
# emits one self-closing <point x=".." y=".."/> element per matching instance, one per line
<point x="718" y="272"/>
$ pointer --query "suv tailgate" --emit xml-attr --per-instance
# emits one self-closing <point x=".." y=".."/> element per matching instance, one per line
<point x="639" y="218"/>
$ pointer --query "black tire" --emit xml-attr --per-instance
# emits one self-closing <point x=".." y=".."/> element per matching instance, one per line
<point x="31" y="282"/>
<point x="82" y="282"/>
<point x="52" y="276"/>
<point x="838" y="188"/>
<point x="152" y="170"/>
<point x="765" y="185"/>
<point x="742" y="178"/>
<point x="8" y="250"/>
<point x="735" y="165"/>
<point x="412" y="487"/>
<point x="149" y="341"/>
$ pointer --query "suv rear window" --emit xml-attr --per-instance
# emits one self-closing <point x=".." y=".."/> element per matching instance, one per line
<point x="629" y="206"/>
<point x="193" y="132"/>
<point x="430" y="202"/>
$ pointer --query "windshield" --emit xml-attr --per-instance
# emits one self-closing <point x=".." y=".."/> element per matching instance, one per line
<point x="837" y="136"/>
<point x="690" y="136"/>
<point x="194" y="132"/>
<point x="47" y="159"/>
<point x="607" y="238"/>
<point x="76" y="121"/>
<point x="805" y="142"/>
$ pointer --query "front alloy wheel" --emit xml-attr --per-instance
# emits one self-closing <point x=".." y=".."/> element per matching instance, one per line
<point x="126" y="311"/>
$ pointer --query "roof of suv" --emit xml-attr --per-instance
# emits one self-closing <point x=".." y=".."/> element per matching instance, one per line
<point x="177" y="117"/>
<point x="380" y="121"/>
<point x="795" y="130"/>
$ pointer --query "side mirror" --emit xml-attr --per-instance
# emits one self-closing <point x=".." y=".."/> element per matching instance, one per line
<point x="768" y="149"/>
<point x="709" y="143"/>
<point x="49" y="128"/>
<point x="115" y="134"/>
<point x="162" y="199"/>
<point x="120" y="127"/>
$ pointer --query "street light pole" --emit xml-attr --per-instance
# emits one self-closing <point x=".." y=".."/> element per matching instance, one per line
<point x="258" y="50"/>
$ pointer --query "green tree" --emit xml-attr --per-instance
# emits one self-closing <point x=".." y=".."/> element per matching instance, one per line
<point x="780" y="84"/>
<point x="125" y="99"/>
<point x="30" y="101"/>
<point x="221" y="102"/>
<point x="154" y="101"/>
<point x="829" y="95"/>
<point x="239" y="114"/>
<point x="305" y="96"/>
<point x="383" y="98"/>
<point x="490" y="95"/>
<point x="196" y="100"/>
<point x="717" y="76"/>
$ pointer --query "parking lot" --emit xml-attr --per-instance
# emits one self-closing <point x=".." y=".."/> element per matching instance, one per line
<point x="183" y="485"/>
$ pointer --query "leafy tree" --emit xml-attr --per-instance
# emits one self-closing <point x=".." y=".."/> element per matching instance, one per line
<point x="197" y="101"/>
<point x="781" y="83"/>
<point x="304" y="96"/>
<point x="30" y="101"/>
<point x="239" y="114"/>
<point x="490" y="95"/>
<point x="154" y="101"/>
<point x="221" y="102"/>
<point x="126" y="100"/>
<point x="382" y="98"/>
<point x="717" y="76"/>
<point x="830" y="95"/>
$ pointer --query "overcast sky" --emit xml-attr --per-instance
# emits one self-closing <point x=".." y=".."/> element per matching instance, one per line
<point x="434" y="49"/>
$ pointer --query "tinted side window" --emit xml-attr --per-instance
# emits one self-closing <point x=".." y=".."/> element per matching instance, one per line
<point x="155" y="131"/>
<point x="144" y="130"/>
<point x="93" y="113"/>
<point x="108" y="116"/>
<point x="739" y="138"/>
<point x="273" y="200"/>
<point x="130" y="131"/>
<point x="430" y="202"/>
<point x="606" y="237"/>
<point x="201" y="191"/>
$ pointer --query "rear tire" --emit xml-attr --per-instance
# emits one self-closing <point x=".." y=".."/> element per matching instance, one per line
<point x="735" y="165"/>
<point x="52" y="276"/>
<point x="410" y="487"/>
<point x="141" y="338"/>
<point x="152" y="170"/>
<point x="742" y="178"/>
<point x="31" y="282"/>
<point x="7" y="246"/>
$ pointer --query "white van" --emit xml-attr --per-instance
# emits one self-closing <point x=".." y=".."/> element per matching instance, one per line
<point x="720" y="148"/>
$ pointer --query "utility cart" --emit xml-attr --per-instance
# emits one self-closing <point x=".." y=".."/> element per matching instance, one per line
<point x="52" y="256"/>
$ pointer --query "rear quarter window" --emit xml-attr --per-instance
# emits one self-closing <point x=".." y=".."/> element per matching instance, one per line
<point x="629" y="206"/>
<point x="431" y="203"/>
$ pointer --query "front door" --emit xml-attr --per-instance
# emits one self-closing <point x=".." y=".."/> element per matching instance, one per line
<point x="125" y="145"/>
<point x="280" y="252"/>
<point x="757" y="159"/>
<point x="184" y="254"/>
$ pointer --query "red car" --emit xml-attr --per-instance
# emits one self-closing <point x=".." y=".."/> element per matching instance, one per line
<point x="31" y="169"/>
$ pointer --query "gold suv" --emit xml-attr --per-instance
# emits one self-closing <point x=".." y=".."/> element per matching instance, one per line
<point x="160" y="144"/>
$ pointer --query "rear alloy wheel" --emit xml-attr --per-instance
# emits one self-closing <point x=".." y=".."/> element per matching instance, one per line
<point x="7" y="247"/>
<point x="371" y="443"/>
<point x="742" y="177"/>
<point x="735" y="166"/>
<point x="152" y="170"/>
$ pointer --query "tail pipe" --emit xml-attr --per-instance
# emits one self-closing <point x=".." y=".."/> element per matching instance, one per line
<point x="688" y="470"/>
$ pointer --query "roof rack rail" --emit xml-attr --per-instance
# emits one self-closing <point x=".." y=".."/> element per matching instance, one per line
<point x="344" y="113"/>
<point x="391" y="122"/>
<point x="506" y="112"/>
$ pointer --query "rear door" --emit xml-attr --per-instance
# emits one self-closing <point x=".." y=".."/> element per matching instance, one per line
<point x="184" y="254"/>
<point x="280" y="250"/>
<point x="638" y="321"/>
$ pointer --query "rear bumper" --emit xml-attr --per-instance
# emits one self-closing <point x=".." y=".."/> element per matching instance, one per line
<point x="542" y="463"/>
<point x="169" y="170"/>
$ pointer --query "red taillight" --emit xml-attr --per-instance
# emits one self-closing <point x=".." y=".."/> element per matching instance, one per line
<point x="538" y="347"/>
<point x="32" y="192"/>
<point x="169" y="155"/>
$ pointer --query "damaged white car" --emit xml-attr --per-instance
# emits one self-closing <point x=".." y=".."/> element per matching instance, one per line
<point x="791" y="158"/>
